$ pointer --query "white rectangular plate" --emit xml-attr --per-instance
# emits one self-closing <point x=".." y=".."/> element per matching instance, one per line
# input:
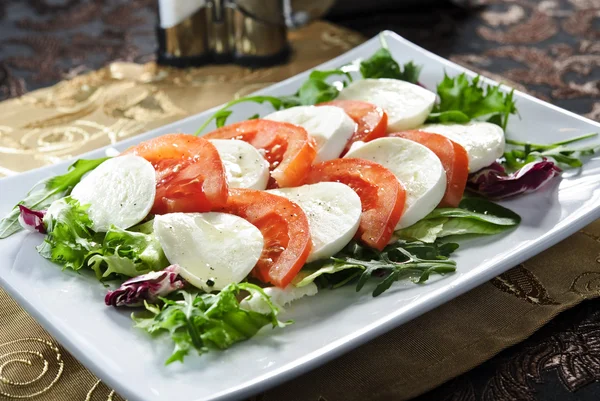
<point x="71" y="307"/>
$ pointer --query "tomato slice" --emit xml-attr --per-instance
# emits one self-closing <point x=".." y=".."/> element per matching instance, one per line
<point x="381" y="194"/>
<point x="189" y="173"/>
<point x="371" y="120"/>
<point x="284" y="227"/>
<point x="454" y="158"/>
<point x="289" y="149"/>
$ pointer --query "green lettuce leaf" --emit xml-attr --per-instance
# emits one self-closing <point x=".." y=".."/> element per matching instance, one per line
<point x="128" y="253"/>
<point x="47" y="191"/>
<point x="474" y="216"/>
<point x="462" y="97"/>
<point x="204" y="322"/>
<point x="70" y="237"/>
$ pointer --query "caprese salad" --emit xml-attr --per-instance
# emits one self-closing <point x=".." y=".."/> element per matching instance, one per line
<point x="347" y="181"/>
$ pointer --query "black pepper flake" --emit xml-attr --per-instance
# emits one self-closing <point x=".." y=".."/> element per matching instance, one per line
<point x="210" y="283"/>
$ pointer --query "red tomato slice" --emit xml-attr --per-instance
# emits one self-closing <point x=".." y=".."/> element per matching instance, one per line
<point x="189" y="173"/>
<point x="284" y="227"/>
<point x="380" y="192"/>
<point x="453" y="157"/>
<point x="289" y="149"/>
<point x="370" y="119"/>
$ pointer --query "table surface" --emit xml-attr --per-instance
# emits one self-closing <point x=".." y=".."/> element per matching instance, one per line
<point x="548" y="48"/>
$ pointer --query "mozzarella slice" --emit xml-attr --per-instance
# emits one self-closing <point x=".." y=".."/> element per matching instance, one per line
<point x="244" y="166"/>
<point x="330" y="127"/>
<point x="333" y="211"/>
<point x="120" y="192"/>
<point x="415" y="166"/>
<point x="406" y="105"/>
<point x="280" y="297"/>
<point x="213" y="249"/>
<point x="484" y="142"/>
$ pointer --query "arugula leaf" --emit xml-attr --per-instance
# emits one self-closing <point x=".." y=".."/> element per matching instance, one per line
<point x="382" y="65"/>
<point x="203" y="322"/>
<point x="314" y="90"/>
<point x="522" y="153"/>
<point x="460" y="97"/>
<point x="397" y="261"/>
<point x="223" y="113"/>
<point x="473" y="216"/>
<point x="127" y="253"/>
<point x="47" y="191"/>
<point x="70" y="236"/>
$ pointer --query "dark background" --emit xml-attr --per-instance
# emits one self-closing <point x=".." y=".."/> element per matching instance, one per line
<point x="549" y="48"/>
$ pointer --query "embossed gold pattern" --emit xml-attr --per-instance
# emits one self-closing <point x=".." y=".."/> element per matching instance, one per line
<point x="29" y="367"/>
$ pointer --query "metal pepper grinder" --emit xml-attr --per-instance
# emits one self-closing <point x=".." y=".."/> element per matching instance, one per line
<point x="247" y="32"/>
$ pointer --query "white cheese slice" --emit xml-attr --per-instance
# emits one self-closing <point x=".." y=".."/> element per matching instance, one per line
<point x="407" y="105"/>
<point x="244" y="165"/>
<point x="120" y="192"/>
<point x="330" y="126"/>
<point x="333" y="211"/>
<point x="213" y="249"/>
<point x="484" y="142"/>
<point x="416" y="167"/>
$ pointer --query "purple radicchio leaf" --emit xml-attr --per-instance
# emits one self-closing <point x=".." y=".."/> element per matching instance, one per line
<point x="147" y="287"/>
<point x="32" y="220"/>
<point x="493" y="182"/>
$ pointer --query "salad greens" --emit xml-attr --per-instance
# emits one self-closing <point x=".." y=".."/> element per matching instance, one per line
<point x="127" y="253"/>
<point x="71" y="242"/>
<point x="203" y="322"/>
<point x="521" y="153"/>
<point x="70" y="237"/>
<point x="463" y="99"/>
<point x="46" y="191"/>
<point x="473" y="216"/>
<point x="399" y="260"/>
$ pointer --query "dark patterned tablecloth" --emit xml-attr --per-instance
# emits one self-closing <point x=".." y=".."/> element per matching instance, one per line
<point x="549" y="48"/>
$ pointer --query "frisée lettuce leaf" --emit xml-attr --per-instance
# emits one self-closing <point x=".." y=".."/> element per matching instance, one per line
<point x="70" y="237"/>
<point x="127" y="253"/>
<point x="71" y="242"/>
<point x="201" y="322"/>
